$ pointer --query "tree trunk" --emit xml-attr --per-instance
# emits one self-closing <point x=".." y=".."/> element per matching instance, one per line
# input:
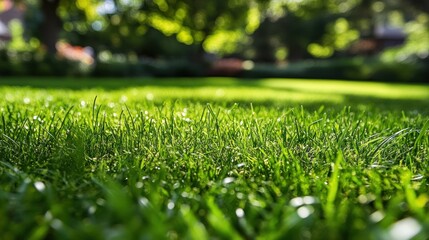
<point x="51" y="25"/>
<point x="296" y="52"/>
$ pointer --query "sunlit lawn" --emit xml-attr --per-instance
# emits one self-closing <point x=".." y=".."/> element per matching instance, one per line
<point x="213" y="159"/>
<point x="227" y="89"/>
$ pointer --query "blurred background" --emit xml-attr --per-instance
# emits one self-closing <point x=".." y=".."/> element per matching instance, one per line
<point x="336" y="39"/>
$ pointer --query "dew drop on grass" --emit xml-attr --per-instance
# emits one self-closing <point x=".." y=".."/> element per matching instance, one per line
<point x="143" y="201"/>
<point x="309" y="200"/>
<point x="171" y="205"/>
<point x="306" y="200"/>
<point x="406" y="228"/>
<point x="145" y="178"/>
<point x="240" y="195"/>
<point x="376" y="217"/>
<point x="56" y="224"/>
<point x="111" y="104"/>
<point x="367" y="198"/>
<point x="26" y="100"/>
<point x="239" y="212"/>
<point x="241" y="165"/>
<point x="83" y="103"/>
<point x="48" y="216"/>
<point x="139" y="184"/>
<point x="39" y="186"/>
<point x="149" y="96"/>
<point x="378" y="166"/>
<point x="296" y="202"/>
<point x="92" y="209"/>
<point x="185" y="195"/>
<point x="100" y="201"/>
<point x="305" y="211"/>
<point x="228" y="180"/>
<point x="417" y="177"/>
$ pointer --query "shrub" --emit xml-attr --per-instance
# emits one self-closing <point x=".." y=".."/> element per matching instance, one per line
<point x="348" y="68"/>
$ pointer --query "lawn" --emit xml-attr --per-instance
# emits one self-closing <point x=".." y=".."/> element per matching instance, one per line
<point x="213" y="158"/>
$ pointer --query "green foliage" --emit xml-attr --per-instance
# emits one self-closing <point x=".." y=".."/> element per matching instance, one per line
<point x="357" y="68"/>
<point x="38" y="63"/>
<point x="415" y="47"/>
<point x="17" y="42"/>
<point x="215" y="25"/>
<point x="138" y="162"/>
<point x="338" y="37"/>
<point x="172" y="68"/>
<point x="182" y="32"/>
<point x="18" y="52"/>
<point x="305" y="29"/>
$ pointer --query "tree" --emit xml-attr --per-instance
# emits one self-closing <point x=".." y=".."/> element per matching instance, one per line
<point x="52" y="14"/>
<point x="212" y="25"/>
<point x="421" y="5"/>
<point x="308" y="28"/>
<point x="51" y="24"/>
<point x="300" y="28"/>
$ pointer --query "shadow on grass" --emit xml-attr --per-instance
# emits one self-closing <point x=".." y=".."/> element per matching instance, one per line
<point x="123" y="83"/>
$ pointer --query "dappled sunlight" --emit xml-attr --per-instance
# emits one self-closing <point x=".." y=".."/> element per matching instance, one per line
<point x="250" y="94"/>
<point x="272" y="91"/>
<point x="362" y="89"/>
<point x="160" y="94"/>
<point x="239" y="119"/>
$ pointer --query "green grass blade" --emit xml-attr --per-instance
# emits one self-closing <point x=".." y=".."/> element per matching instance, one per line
<point x="422" y="134"/>
<point x="333" y="185"/>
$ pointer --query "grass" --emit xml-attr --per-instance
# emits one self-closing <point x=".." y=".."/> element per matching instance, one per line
<point x="213" y="159"/>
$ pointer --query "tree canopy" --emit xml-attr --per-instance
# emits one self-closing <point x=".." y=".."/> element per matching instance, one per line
<point x="268" y="30"/>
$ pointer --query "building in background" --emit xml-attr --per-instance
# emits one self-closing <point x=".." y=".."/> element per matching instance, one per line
<point x="389" y="36"/>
